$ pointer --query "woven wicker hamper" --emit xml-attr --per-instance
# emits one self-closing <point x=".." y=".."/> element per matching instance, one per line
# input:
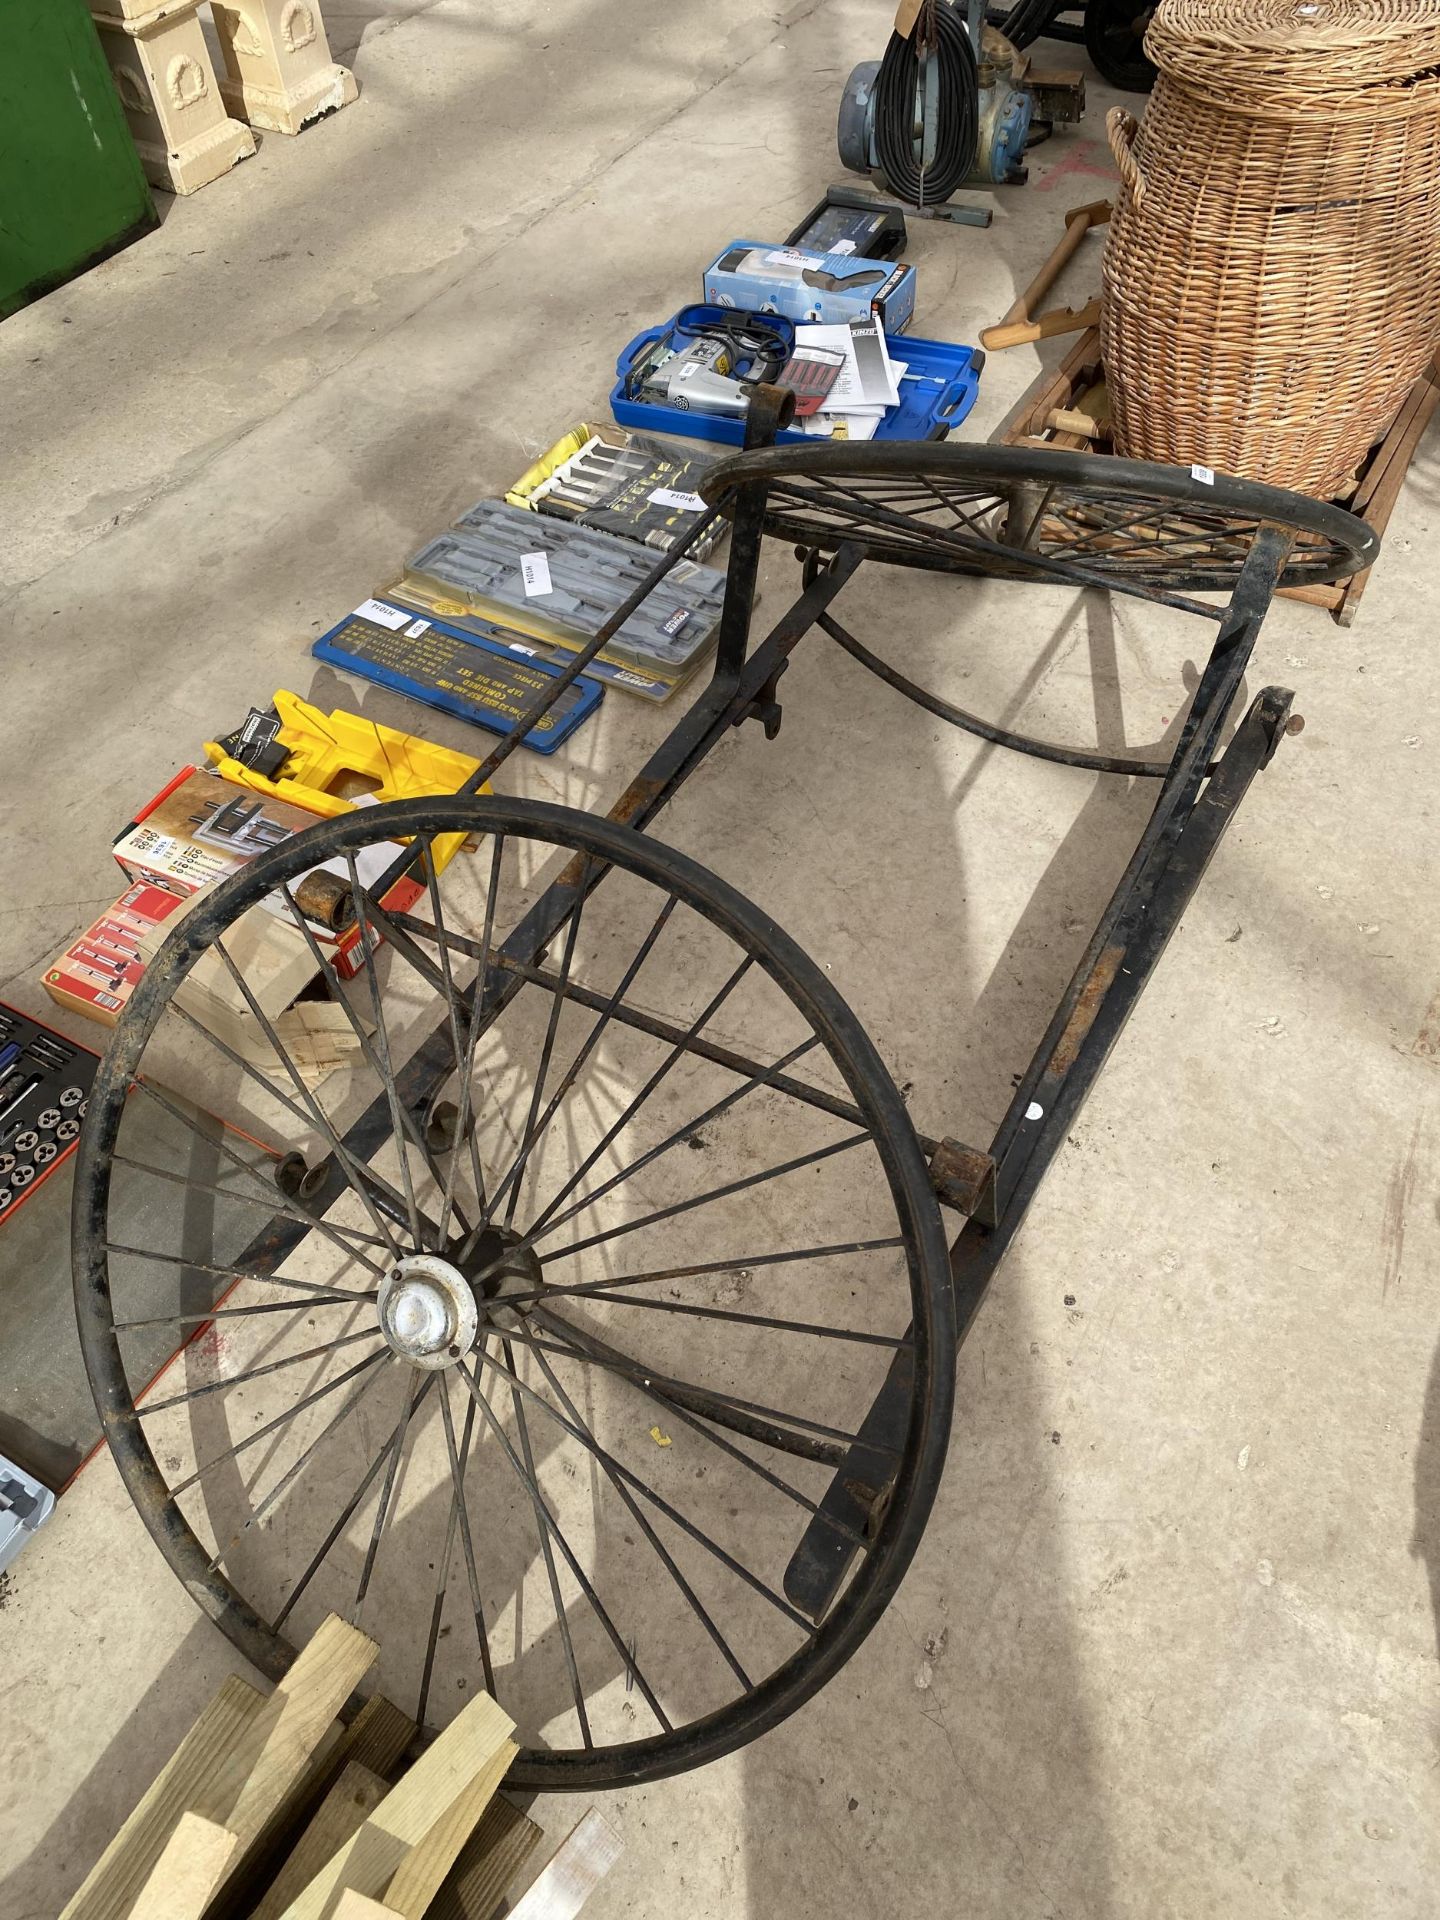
<point x="1272" y="269"/>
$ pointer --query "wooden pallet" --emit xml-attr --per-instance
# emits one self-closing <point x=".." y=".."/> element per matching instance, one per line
<point x="1070" y="407"/>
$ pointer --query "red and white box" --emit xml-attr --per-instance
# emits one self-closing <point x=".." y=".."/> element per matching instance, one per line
<point x="98" y="972"/>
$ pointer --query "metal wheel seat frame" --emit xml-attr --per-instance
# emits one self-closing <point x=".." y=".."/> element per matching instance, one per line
<point x="1199" y="788"/>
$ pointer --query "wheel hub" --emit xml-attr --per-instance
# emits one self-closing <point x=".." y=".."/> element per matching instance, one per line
<point x="428" y="1312"/>
<point x="497" y="1265"/>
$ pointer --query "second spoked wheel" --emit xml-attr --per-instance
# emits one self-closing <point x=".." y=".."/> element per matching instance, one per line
<point x="578" y="1274"/>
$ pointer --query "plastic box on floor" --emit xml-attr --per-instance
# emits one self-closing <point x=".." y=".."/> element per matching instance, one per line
<point x="940" y="385"/>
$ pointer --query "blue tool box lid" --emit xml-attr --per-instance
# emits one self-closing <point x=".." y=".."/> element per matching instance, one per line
<point x="939" y="388"/>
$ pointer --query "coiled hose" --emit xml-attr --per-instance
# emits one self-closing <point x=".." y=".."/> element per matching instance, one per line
<point x="957" y="116"/>
<point x="1026" y="21"/>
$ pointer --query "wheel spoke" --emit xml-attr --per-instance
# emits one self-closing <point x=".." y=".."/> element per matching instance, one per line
<point x="458" y="1461"/>
<point x="580" y="1343"/>
<point x="402" y="1121"/>
<point x="701" y="1199"/>
<point x="816" y="1331"/>
<point x="637" y="1514"/>
<point x="657" y="1500"/>
<point x="740" y="1262"/>
<point x="387" y="1495"/>
<point x="608" y="1011"/>
<point x="346" y="1515"/>
<point x="324" y="1227"/>
<point x="379" y="1051"/>
<point x="274" y="1206"/>
<point x="293" y="1472"/>
<point x="235" y="1273"/>
<point x="527" y="1475"/>
<point x="256" y="1373"/>
<point x="762" y="1079"/>
<point x="542" y="1072"/>
<point x="311" y="1113"/>
<point x="207" y="1314"/>
<point x="459" y="1046"/>
<point x="319" y="1393"/>
<point x="614" y="1131"/>
<point x="543" y="1526"/>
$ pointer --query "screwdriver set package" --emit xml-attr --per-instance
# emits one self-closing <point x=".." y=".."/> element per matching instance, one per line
<point x="553" y="577"/>
<point x="483" y="679"/>
<point x="621" y="483"/>
<point x="45" y="1083"/>
<point x="556" y="650"/>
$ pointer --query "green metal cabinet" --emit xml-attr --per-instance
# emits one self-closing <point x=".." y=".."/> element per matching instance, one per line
<point x="71" y="189"/>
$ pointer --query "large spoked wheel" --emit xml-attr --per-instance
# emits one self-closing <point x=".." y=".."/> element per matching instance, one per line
<point x="1150" y="532"/>
<point x="1026" y="513"/>
<point x="537" y="1337"/>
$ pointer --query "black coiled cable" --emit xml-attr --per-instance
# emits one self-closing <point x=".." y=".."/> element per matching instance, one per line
<point x="957" y="115"/>
<point x="1024" y="23"/>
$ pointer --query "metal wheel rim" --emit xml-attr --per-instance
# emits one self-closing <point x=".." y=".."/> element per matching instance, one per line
<point x="827" y="496"/>
<point x="898" y="1531"/>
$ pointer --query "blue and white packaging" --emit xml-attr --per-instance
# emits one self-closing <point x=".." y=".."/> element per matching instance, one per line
<point x="826" y="288"/>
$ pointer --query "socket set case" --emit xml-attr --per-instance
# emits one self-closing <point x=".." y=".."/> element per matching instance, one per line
<point x="940" y="386"/>
<point x="546" y="575"/>
<point x="488" y="681"/>
<point x="651" y="494"/>
<point x="45" y="1083"/>
<point x="756" y="276"/>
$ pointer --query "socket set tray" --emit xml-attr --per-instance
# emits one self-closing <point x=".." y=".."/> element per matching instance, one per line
<point x="45" y="1084"/>
<point x="534" y="571"/>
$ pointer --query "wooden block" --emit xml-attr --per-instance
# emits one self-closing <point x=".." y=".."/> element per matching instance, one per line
<point x="377" y="1739"/>
<point x="567" y="1880"/>
<point x="488" y="1863"/>
<point x="371" y="1859"/>
<point x="342" y="1812"/>
<point x="332" y="1664"/>
<point x="234" y="1767"/>
<point x="419" y="1879"/>
<point x="188" y="1871"/>
<point x="192" y="1780"/>
<point x="356" y="1906"/>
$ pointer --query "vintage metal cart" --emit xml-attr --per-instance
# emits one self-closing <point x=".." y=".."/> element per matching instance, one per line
<point x="531" y="1361"/>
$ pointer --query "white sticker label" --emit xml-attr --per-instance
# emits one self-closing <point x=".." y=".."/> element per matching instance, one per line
<point x="1205" y="475"/>
<point x="382" y="615"/>
<point x="680" y="502"/>
<point x="843" y="246"/>
<point x="791" y="257"/>
<point x="529" y="652"/>
<point x="416" y="628"/>
<point x="1034" y="1111"/>
<point x="535" y="572"/>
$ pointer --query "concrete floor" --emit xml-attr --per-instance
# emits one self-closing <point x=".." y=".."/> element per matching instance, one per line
<point x="1183" y="1578"/>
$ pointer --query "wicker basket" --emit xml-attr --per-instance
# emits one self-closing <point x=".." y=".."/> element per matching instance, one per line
<point x="1272" y="269"/>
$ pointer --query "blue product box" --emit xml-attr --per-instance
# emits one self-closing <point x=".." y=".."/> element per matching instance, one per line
<point x="827" y="288"/>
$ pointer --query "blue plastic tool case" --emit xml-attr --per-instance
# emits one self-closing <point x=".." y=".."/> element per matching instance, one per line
<point x="940" y="387"/>
<point x="477" y="679"/>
